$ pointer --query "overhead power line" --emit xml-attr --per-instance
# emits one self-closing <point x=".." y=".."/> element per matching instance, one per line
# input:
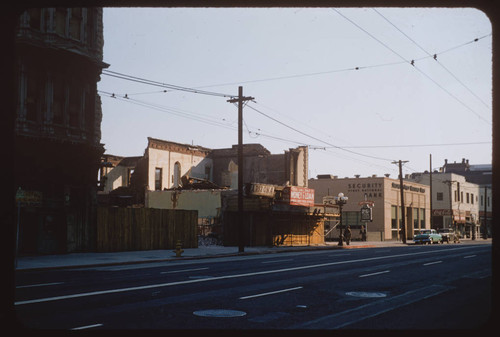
<point x="433" y="56"/>
<point x="277" y="78"/>
<point x="315" y="138"/>
<point x="412" y="62"/>
<point x="163" y="85"/>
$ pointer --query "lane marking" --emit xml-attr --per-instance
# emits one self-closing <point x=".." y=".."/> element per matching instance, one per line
<point x="277" y="261"/>
<point x="182" y="270"/>
<point x="269" y="293"/>
<point x="377" y="273"/>
<point x="469" y="256"/>
<point x="168" y="284"/>
<point x="430" y="263"/>
<point x="39" y="285"/>
<point x="87" y="327"/>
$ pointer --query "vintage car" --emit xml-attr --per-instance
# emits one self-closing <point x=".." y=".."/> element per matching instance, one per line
<point x="429" y="236"/>
<point x="449" y="235"/>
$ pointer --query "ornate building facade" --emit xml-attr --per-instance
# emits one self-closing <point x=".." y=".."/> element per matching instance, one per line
<point x="57" y="128"/>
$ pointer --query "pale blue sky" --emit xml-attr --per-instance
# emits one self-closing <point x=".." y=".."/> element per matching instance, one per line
<point x="299" y="65"/>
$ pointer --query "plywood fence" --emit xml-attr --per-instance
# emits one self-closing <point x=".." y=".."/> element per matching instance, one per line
<point x="126" y="229"/>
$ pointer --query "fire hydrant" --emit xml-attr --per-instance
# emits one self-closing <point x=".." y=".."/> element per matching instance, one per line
<point x="178" y="249"/>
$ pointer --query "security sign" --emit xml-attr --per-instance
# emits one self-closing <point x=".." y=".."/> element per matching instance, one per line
<point x="366" y="214"/>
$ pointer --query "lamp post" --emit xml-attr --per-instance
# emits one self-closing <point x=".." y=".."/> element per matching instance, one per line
<point x="341" y="200"/>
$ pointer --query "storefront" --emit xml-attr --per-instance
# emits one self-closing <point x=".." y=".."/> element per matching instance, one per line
<point x="385" y="195"/>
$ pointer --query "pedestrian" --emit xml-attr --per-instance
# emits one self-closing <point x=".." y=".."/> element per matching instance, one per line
<point x="362" y="231"/>
<point x="347" y="235"/>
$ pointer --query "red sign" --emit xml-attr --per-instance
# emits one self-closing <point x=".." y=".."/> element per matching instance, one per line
<point x="299" y="196"/>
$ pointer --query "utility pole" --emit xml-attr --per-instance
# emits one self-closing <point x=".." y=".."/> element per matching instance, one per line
<point x="241" y="229"/>
<point x="485" y="223"/>
<point x="403" y="217"/>
<point x="430" y="184"/>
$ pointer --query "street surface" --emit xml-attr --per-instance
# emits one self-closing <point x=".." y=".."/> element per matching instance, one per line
<point x="415" y="287"/>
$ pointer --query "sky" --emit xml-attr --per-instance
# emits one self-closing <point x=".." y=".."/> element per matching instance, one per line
<point x="361" y="87"/>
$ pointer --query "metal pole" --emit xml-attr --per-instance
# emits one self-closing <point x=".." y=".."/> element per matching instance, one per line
<point x="241" y="234"/>
<point x="340" y="237"/>
<point x="17" y="232"/>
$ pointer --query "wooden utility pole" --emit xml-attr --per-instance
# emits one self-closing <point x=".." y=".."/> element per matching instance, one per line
<point x="485" y="223"/>
<point x="430" y="184"/>
<point x="241" y="228"/>
<point x="401" y="187"/>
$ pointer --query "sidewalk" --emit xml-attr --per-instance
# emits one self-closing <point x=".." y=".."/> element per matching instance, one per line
<point x="75" y="260"/>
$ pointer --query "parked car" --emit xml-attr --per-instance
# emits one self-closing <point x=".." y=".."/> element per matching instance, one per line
<point x="449" y="235"/>
<point x="429" y="236"/>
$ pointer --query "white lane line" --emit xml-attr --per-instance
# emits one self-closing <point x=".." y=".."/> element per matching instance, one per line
<point x="430" y="263"/>
<point x="469" y="256"/>
<point x="87" y="327"/>
<point x="270" y="293"/>
<point x="40" y="285"/>
<point x="182" y="270"/>
<point x="377" y="273"/>
<point x="277" y="261"/>
<point x="266" y="272"/>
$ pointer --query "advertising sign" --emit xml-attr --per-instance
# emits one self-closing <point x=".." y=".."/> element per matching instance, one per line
<point x="299" y="196"/>
<point x="366" y="214"/>
<point x="263" y="190"/>
<point x="29" y="198"/>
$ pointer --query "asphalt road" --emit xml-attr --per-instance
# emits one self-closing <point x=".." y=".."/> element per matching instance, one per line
<point x="414" y="287"/>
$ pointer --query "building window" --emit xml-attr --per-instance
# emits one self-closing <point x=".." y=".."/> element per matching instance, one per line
<point x="35" y="18"/>
<point x="75" y="23"/>
<point x="482" y="200"/>
<point x="32" y="99"/>
<point x="59" y="99"/>
<point x="461" y="196"/>
<point x="61" y="21"/>
<point x="422" y="218"/>
<point x="177" y="174"/>
<point x="158" y="174"/>
<point x="467" y="197"/>
<point x="351" y="218"/>
<point x="130" y="171"/>
<point x="394" y="223"/>
<point x="415" y="217"/>
<point x="439" y="196"/>
<point x="472" y="198"/>
<point x="75" y="99"/>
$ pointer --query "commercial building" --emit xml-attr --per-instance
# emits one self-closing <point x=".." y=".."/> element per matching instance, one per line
<point x="385" y="193"/>
<point x="57" y="130"/>
<point x="455" y="201"/>
<point x="482" y="175"/>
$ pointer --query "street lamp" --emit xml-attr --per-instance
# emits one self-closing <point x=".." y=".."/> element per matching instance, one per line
<point x="341" y="200"/>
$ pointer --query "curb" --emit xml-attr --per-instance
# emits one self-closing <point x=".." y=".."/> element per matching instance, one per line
<point x="187" y="258"/>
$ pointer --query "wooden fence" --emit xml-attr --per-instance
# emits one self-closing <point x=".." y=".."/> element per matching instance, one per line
<point x="126" y="229"/>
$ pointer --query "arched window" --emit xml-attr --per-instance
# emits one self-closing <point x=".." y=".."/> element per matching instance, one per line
<point x="177" y="174"/>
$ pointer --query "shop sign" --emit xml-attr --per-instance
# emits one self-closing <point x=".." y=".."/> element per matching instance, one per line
<point x="299" y="196"/>
<point x="29" y="198"/>
<point x="262" y="190"/>
<point x="441" y="212"/>
<point x="366" y="214"/>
